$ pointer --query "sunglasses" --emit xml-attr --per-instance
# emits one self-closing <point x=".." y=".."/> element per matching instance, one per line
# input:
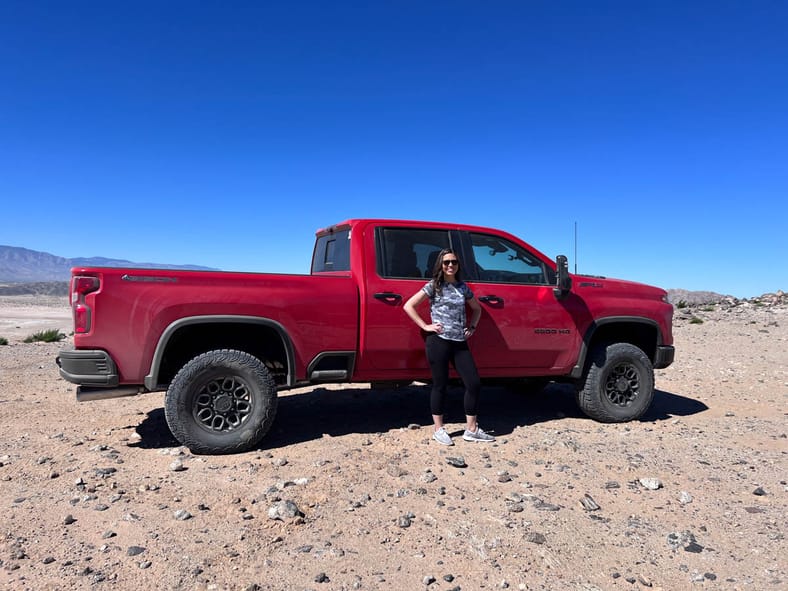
<point x="454" y="262"/>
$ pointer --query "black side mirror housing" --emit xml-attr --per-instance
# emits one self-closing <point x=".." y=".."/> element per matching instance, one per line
<point x="563" y="280"/>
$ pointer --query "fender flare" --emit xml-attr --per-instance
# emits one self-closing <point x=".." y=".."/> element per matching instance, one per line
<point x="577" y="370"/>
<point x="151" y="380"/>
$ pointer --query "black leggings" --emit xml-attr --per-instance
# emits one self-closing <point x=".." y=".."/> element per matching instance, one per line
<point x="440" y="352"/>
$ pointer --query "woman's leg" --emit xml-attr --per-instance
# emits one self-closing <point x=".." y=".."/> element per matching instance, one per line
<point x="466" y="367"/>
<point x="438" y="355"/>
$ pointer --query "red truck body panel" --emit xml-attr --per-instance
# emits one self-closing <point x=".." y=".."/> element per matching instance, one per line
<point x="130" y="315"/>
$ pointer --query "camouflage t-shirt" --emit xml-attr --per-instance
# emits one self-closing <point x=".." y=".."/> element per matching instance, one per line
<point x="448" y="308"/>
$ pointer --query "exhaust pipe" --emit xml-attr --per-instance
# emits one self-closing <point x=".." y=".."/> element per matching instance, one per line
<point x="88" y="394"/>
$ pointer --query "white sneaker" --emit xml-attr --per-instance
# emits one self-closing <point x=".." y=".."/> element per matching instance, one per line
<point x="442" y="437"/>
<point x="477" y="435"/>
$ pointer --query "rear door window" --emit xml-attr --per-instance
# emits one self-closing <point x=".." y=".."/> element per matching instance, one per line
<point x="409" y="253"/>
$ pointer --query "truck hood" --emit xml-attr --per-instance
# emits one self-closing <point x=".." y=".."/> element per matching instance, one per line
<point x="619" y="287"/>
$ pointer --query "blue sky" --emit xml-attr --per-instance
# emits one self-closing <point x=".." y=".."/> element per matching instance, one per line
<point x="225" y="133"/>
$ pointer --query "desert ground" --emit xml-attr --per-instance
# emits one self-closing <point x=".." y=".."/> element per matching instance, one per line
<point x="349" y="492"/>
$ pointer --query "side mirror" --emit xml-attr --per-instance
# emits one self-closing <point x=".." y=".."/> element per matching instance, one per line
<point x="563" y="284"/>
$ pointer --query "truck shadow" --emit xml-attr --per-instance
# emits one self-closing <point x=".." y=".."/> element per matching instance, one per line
<point x="311" y="415"/>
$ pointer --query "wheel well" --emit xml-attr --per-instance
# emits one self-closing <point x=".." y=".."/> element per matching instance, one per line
<point x="641" y="334"/>
<point x="260" y="340"/>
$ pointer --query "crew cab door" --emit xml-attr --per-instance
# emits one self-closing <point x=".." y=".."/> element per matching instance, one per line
<point x="390" y="344"/>
<point x="524" y="329"/>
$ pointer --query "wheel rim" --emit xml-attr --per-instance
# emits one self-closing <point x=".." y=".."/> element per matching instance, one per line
<point x="223" y="404"/>
<point x="622" y="386"/>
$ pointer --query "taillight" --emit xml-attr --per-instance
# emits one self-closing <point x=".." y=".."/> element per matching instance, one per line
<point x="81" y="286"/>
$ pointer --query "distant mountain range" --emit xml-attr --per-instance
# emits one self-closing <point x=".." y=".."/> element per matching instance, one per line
<point x="22" y="265"/>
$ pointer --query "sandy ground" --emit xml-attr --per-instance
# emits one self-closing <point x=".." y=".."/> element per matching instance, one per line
<point x="693" y="496"/>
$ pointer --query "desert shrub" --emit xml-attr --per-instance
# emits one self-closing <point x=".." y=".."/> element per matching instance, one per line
<point x="696" y="320"/>
<point x="46" y="336"/>
<point x="708" y="309"/>
<point x="681" y="304"/>
<point x="3" y="341"/>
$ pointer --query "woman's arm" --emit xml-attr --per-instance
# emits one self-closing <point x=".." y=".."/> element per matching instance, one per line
<point x="476" y="314"/>
<point x="410" y="309"/>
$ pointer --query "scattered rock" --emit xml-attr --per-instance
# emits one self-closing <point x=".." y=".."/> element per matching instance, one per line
<point x="456" y="461"/>
<point x="284" y="510"/>
<point x="588" y="503"/>
<point x="177" y="465"/>
<point x="651" y="483"/>
<point x="182" y="515"/>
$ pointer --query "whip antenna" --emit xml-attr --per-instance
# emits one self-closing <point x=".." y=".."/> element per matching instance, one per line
<point x="575" y="248"/>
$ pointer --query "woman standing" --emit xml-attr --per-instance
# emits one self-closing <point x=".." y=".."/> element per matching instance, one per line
<point x="447" y="342"/>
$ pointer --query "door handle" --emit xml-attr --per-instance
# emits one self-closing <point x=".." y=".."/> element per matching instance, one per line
<point x="388" y="297"/>
<point x="491" y="299"/>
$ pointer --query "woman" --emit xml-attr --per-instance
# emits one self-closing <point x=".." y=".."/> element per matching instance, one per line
<point x="446" y="342"/>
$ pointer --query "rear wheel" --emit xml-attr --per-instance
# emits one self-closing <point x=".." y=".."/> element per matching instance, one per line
<point x="619" y="385"/>
<point x="221" y="402"/>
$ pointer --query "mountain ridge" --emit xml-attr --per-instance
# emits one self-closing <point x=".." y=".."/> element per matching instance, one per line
<point x="24" y="265"/>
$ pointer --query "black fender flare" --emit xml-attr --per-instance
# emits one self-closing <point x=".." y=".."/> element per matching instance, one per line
<point x="152" y="379"/>
<point x="579" y="368"/>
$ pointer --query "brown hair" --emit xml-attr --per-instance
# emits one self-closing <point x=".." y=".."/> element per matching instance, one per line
<point x="438" y="279"/>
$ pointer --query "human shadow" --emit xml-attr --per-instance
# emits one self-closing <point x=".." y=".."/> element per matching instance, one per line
<point x="320" y="412"/>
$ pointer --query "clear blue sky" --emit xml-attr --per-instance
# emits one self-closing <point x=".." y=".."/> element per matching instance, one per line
<point x="225" y="133"/>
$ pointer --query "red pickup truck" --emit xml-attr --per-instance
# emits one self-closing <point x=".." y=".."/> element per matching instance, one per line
<point x="223" y="344"/>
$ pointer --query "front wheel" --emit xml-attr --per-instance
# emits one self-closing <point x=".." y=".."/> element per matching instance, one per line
<point x="221" y="402"/>
<point x="619" y="385"/>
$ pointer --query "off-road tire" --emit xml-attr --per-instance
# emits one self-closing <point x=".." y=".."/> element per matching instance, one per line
<point x="221" y="402"/>
<point x="619" y="384"/>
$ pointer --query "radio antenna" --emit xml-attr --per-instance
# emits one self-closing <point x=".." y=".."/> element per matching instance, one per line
<point x="575" y="247"/>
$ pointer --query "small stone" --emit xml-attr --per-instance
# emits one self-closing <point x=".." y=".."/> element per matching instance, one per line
<point x="645" y="581"/>
<point x="429" y="477"/>
<point x="448" y="578"/>
<point x="101" y="507"/>
<point x="48" y="560"/>
<point x="428" y="580"/>
<point x="280" y="462"/>
<point x="651" y="483"/>
<point x="589" y="504"/>
<point x="135" y="550"/>
<point x="404" y="521"/>
<point x="685" y="498"/>
<point x="456" y="461"/>
<point x="759" y="492"/>
<point x="68" y="519"/>
<point x="284" y="510"/>
<point x="145" y="564"/>
<point x="177" y="466"/>
<point x="108" y="534"/>
<point x="395" y="470"/>
<point x="322" y="578"/>
<point x="693" y="547"/>
<point x="535" y="538"/>
<point x="182" y="515"/>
